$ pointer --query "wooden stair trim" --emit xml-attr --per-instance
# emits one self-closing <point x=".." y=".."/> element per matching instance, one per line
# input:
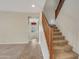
<point x="48" y="30"/>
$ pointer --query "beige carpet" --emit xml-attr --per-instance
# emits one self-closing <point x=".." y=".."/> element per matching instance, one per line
<point x="62" y="50"/>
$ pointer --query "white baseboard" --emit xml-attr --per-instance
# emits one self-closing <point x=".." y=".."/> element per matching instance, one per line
<point x="16" y="42"/>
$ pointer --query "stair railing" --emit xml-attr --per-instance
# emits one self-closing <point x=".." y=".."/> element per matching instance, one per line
<point x="48" y="30"/>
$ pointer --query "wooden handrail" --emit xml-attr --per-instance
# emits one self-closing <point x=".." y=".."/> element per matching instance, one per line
<point x="48" y="30"/>
<point x="57" y="11"/>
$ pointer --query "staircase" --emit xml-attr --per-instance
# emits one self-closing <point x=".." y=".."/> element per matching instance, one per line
<point x="62" y="50"/>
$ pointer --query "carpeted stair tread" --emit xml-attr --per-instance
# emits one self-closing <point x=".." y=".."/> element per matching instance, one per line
<point x="55" y="27"/>
<point x="56" y="30"/>
<point x="70" y="55"/>
<point x="58" y="37"/>
<point x="63" y="48"/>
<point x="57" y="33"/>
<point x="60" y="42"/>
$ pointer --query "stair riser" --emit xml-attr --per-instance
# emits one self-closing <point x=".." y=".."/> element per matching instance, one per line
<point x="56" y="30"/>
<point x="57" y="33"/>
<point x="58" y="38"/>
<point x="55" y="27"/>
<point x="60" y="44"/>
<point x="62" y="51"/>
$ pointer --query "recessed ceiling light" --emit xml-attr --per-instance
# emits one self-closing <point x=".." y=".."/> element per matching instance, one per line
<point x="33" y="5"/>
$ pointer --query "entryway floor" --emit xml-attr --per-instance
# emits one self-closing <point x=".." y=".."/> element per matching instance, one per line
<point x="20" y="51"/>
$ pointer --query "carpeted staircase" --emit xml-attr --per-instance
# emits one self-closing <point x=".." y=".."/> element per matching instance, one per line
<point x="62" y="50"/>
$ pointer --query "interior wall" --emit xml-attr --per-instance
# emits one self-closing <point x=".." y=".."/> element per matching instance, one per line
<point x="68" y="21"/>
<point x="49" y="10"/>
<point x="14" y="27"/>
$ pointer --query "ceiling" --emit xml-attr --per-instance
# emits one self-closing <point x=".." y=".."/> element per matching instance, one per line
<point x="21" y="5"/>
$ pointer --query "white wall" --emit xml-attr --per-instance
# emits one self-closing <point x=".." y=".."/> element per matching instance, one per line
<point x="49" y="10"/>
<point x="14" y="27"/>
<point x="68" y="22"/>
